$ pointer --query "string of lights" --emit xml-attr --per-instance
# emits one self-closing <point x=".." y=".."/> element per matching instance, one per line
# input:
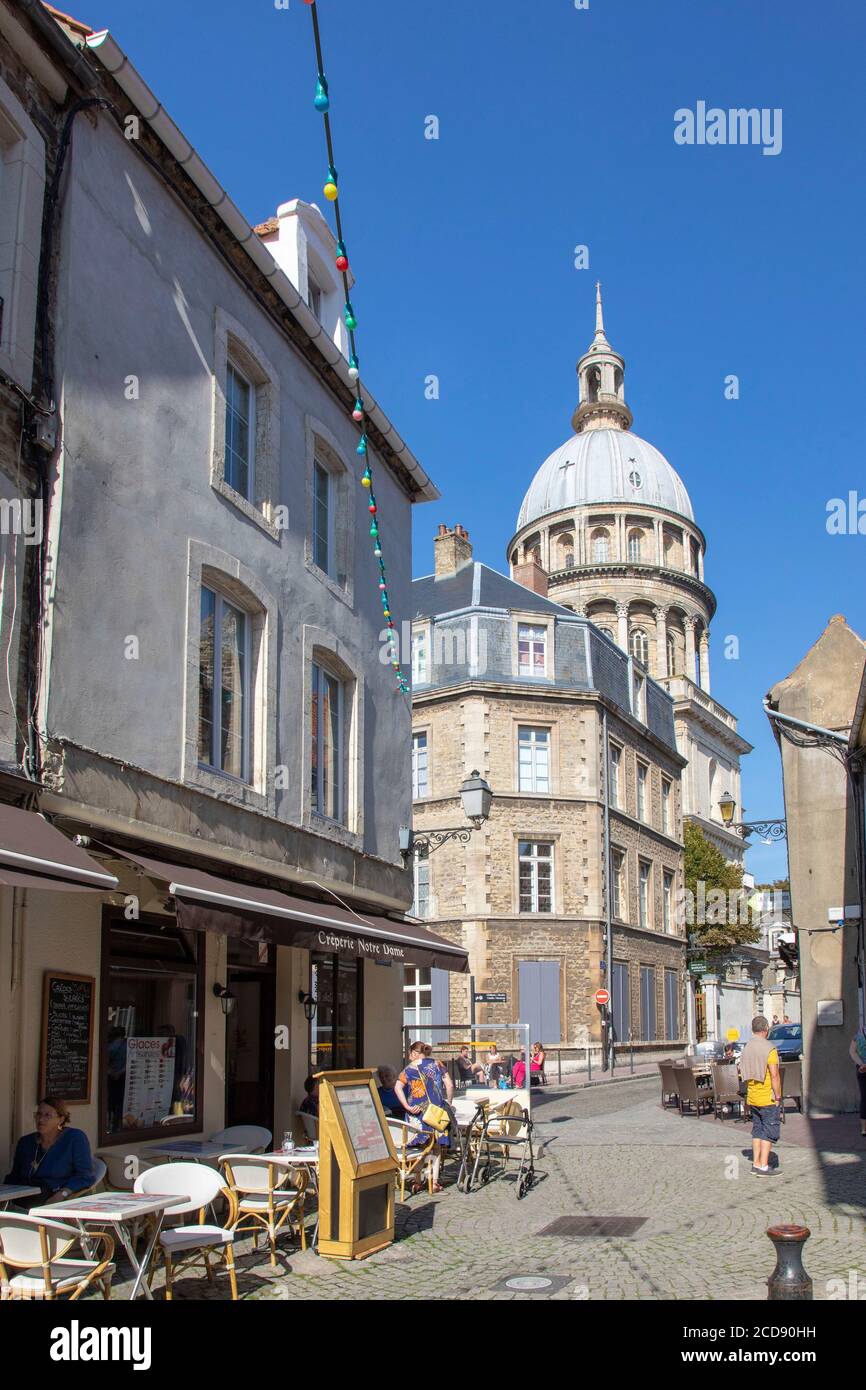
<point x="331" y="190"/>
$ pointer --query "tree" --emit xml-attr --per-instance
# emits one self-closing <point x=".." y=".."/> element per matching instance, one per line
<point x="717" y="912"/>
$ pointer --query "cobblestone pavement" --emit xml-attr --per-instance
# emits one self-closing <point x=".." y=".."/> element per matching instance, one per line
<point x="609" y="1151"/>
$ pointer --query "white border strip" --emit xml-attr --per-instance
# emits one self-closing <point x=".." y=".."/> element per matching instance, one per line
<point x="28" y="861"/>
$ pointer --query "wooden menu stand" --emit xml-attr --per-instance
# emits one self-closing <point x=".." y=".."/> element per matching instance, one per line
<point x="357" y="1163"/>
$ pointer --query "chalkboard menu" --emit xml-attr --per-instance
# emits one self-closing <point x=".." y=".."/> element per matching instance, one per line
<point x="67" y="1036"/>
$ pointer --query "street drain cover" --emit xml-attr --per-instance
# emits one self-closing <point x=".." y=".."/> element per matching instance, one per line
<point x="576" y="1227"/>
<point x="532" y="1285"/>
<point x="526" y="1283"/>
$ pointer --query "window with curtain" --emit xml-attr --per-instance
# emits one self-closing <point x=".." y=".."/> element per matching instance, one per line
<point x="536" y="875"/>
<point x="224" y="696"/>
<point x="327" y="744"/>
<point x="533" y="759"/>
<point x="531" y="650"/>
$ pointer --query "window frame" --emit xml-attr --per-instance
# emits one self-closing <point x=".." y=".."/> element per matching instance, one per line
<point x="113" y="917"/>
<point x="417" y="735"/>
<point x="421" y="646"/>
<point x="534" y="745"/>
<point x="421" y="859"/>
<point x="22" y="175"/>
<point x="235" y="346"/>
<point x="642" y="785"/>
<point x="234" y="368"/>
<point x="618" y="882"/>
<point x="415" y="989"/>
<point x="533" y="641"/>
<point x="535" y="861"/>
<point x="321" y="669"/>
<point x="247" y="693"/>
<point x="645" y="905"/>
<point x="615" y="765"/>
<point x="321" y="470"/>
<point x="669" y="923"/>
<point x="667" y="801"/>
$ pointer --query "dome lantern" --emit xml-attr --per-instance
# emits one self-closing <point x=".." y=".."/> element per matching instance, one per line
<point x="601" y="379"/>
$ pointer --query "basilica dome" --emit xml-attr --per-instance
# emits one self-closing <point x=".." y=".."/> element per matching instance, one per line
<point x="601" y="466"/>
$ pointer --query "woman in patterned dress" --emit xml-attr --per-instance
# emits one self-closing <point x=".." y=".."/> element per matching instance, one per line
<point x="421" y="1083"/>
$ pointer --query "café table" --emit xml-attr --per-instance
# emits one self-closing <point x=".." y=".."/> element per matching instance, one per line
<point x="118" y="1210"/>
<point x="302" y="1156"/>
<point x="194" y="1150"/>
<point x="13" y="1192"/>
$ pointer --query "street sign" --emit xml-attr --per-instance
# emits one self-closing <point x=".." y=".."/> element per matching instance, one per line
<point x="698" y="967"/>
<point x="602" y="997"/>
<point x="491" y="998"/>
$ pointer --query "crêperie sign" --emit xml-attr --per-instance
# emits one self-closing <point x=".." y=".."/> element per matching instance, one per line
<point x="67" y="1036"/>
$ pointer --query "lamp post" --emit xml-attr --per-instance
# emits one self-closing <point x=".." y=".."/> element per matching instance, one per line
<point x="768" y="830"/>
<point x="476" y="796"/>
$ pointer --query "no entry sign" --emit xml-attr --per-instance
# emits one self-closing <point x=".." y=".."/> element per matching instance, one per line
<point x="602" y="997"/>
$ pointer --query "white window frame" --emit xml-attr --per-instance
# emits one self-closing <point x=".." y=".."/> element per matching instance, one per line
<point x="421" y="899"/>
<point x="22" y="174"/>
<point x="618" y="883"/>
<point x="634" y="546"/>
<point x="638" y="638"/>
<point x="414" y="989"/>
<point x="668" y="915"/>
<point x="420" y="764"/>
<point x="234" y="346"/>
<point x="420" y="656"/>
<point x="221" y="602"/>
<point x="667" y="803"/>
<point x="645" y="892"/>
<point x="321" y="669"/>
<point x="642" y="782"/>
<point x="534" y="859"/>
<point x="639" y="695"/>
<point x="536" y="636"/>
<point x="614" y="755"/>
<point x="321" y="470"/>
<point x="538" y="741"/>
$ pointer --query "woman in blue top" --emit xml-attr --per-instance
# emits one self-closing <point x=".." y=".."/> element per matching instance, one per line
<point x="427" y="1084"/>
<point x="56" y="1158"/>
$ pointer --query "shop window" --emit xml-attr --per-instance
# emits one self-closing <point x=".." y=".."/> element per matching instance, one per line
<point x="152" y="1029"/>
<point x="335" y="984"/>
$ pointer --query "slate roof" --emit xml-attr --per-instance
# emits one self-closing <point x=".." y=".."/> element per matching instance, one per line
<point x="477" y="586"/>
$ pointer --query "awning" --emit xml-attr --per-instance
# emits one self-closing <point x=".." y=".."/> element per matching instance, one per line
<point x="206" y="902"/>
<point x="35" y="855"/>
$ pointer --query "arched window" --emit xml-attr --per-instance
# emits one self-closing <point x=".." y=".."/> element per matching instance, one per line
<point x="600" y="546"/>
<point x="695" y="561"/>
<point x="565" y="551"/>
<point x="593" y="383"/>
<point x="673" y="656"/>
<point x="634" y="545"/>
<point x="639" y="645"/>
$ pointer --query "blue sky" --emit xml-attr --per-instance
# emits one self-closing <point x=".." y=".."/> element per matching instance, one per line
<point x="556" y="129"/>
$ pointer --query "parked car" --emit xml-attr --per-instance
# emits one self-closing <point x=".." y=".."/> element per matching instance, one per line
<point x="787" y="1038"/>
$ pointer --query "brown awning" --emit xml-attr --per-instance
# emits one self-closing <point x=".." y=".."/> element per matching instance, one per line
<point x="35" y="855"/>
<point x="206" y="902"/>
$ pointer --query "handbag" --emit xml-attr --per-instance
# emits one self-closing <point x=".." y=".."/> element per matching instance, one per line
<point x="437" y="1117"/>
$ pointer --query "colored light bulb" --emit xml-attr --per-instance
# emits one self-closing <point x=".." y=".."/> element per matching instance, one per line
<point x="342" y="261"/>
<point x="320" y="100"/>
<point x="374" y="530"/>
<point x="358" y="412"/>
<point x="367" y="480"/>
<point x="349" y="315"/>
<point x="330" y="189"/>
<point x="353" y="368"/>
<point x="377" y="551"/>
<point x="362" y="445"/>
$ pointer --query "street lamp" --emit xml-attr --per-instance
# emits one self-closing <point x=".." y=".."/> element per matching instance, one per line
<point x="765" y="829"/>
<point x="476" y="795"/>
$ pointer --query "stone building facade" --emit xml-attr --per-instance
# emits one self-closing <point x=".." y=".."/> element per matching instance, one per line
<point x="610" y="526"/>
<point x="512" y="684"/>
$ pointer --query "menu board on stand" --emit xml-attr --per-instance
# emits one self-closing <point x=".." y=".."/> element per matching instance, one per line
<point x="67" y="1036"/>
<point x="357" y="1163"/>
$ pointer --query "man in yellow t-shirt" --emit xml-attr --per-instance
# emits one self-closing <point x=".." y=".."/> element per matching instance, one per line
<point x="759" y="1065"/>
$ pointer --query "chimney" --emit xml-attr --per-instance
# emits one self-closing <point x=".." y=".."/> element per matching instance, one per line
<point x="531" y="575"/>
<point x="451" y="550"/>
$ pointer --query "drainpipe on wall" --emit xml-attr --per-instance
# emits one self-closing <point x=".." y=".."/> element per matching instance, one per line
<point x="607" y="1061"/>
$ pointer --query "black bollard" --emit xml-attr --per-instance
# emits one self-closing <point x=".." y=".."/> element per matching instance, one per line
<point x="789" y="1281"/>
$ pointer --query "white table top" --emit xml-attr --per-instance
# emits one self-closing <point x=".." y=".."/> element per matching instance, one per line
<point x="297" y="1157"/>
<point x="10" y="1192"/>
<point x="193" y="1148"/>
<point x="111" y="1206"/>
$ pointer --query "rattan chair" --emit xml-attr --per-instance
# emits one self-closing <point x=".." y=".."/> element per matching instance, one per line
<point x="38" y="1249"/>
<point x="689" y="1093"/>
<point x="414" y="1148"/>
<point x="726" y="1081"/>
<point x="265" y="1200"/>
<point x="669" y="1084"/>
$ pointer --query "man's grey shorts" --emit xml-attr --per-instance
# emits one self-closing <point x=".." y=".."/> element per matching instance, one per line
<point x="765" y="1122"/>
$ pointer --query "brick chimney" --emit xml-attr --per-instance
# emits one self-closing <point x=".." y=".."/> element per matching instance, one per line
<point x="531" y="575"/>
<point x="451" y="550"/>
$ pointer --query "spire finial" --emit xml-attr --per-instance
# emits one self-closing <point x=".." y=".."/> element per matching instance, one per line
<point x="599" y="317"/>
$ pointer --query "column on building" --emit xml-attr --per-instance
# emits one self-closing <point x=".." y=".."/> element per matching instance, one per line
<point x="661" y="615"/>
<point x="622" y="625"/>
<point x="705" y="659"/>
<point x="659" y="542"/>
<point x="689" y="625"/>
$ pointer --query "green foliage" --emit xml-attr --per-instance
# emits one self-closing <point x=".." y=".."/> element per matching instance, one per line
<point x="710" y="881"/>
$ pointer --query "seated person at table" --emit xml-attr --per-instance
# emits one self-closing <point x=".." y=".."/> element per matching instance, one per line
<point x="310" y="1103"/>
<point x="469" y="1072"/>
<point x="391" y="1103"/>
<point x="55" y="1158"/>
<point x="518" y="1069"/>
<point x="496" y="1067"/>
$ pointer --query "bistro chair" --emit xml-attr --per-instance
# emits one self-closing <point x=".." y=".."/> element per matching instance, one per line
<point x="183" y="1246"/>
<point x="310" y="1126"/>
<point x="669" y="1083"/>
<point x="254" y="1139"/>
<point x="726" y="1081"/>
<point x="264" y="1201"/>
<point x="414" y="1148"/>
<point x="689" y="1093"/>
<point x="38" y="1249"/>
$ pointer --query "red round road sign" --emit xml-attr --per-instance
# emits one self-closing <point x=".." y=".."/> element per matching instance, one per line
<point x="602" y="997"/>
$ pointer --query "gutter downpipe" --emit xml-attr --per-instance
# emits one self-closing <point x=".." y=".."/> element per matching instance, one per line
<point x="608" y="1054"/>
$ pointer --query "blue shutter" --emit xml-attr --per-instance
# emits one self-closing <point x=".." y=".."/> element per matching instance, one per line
<point x="538" y="1005"/>
<point x="672" y="1011"/>
<point x="440" y="1000"/>
<point x="620" y="1003"/>
<point x="648" y="1003"/>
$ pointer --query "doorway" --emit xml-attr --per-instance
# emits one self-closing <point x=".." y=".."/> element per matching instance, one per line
<point x="251" y="978"/>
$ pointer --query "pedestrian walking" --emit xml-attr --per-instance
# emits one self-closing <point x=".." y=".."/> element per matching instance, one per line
<point x="759" y="1067"/>
<point x="858" y="1057"/>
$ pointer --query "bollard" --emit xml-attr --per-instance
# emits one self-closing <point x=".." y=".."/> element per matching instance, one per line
<point x="789" y="1280"/>
<point x="559" y="1066"/>
<point x="589" y="1063"/>
<point x="631" y="1055"/>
